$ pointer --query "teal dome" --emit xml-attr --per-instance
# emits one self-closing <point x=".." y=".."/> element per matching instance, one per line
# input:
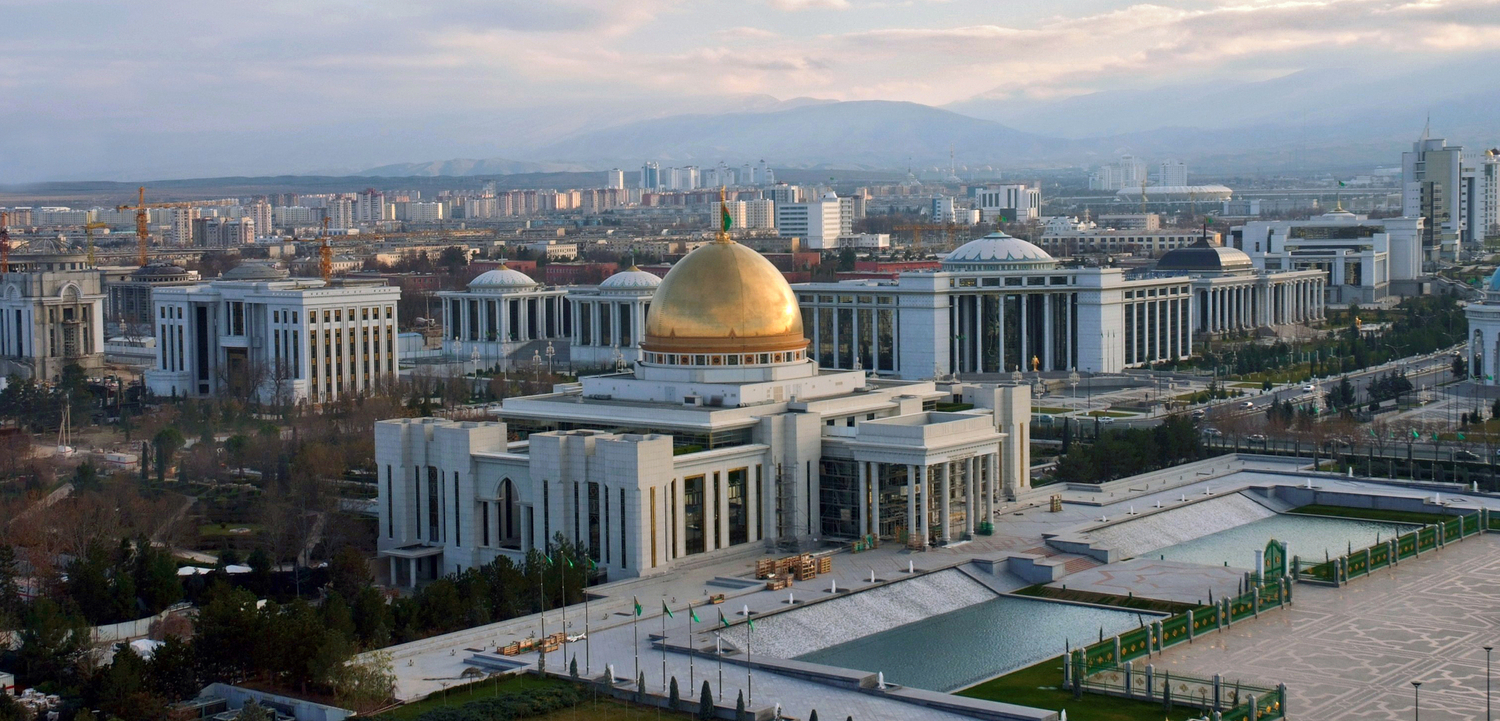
<point x="1494" y="282"/>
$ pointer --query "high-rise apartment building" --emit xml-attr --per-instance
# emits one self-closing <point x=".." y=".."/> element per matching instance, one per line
<point x="1172" y="172"/>
<point x="182" y="225"/>
<point x="223" y="232"/>
<point x="614" y="179"/>
<point x="260" y="213"/>
<point x="818" y="223"/>
<point x="944" y="210"/>
<point x="1431" y="189"/>
<point x="650" y="176"/>
<point x="369" y="206"/>
<point x="340" y="213"/>
<point x="783" y="193"/>
<point x="1481" y="198"/>
<point x="760" y="214"/>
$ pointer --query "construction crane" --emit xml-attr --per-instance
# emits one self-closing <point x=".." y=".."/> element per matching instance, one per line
<point x="88" y="235"/>
<point x="142" y="233"/>
<point x="947" y="229"/>
<point x="4" y="242"/>
<point x="325" y="254"/>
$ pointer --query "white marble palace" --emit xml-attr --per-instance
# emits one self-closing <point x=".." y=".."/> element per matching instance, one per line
<point x="1000" y="304"/>
<point x="725" y="437"/>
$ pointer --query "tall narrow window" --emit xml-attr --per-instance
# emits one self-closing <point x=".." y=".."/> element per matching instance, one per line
<point x="458" y="532"/>
<point x="390" y="504"/>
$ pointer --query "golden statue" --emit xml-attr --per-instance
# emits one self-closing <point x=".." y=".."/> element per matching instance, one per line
<point x="1036" y="364"/>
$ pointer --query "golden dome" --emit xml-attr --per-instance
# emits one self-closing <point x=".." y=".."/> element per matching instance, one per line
<point x="724" y="298"/>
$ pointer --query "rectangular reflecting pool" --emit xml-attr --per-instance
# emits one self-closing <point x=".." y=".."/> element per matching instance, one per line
<point x="1306" y="536"/>
<point x="964" y="647"/>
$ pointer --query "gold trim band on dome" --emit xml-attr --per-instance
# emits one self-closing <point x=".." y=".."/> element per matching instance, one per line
<point x="724" y="359"/>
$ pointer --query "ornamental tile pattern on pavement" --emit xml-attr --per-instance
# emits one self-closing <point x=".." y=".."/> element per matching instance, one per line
<point x="1352" y="652"/>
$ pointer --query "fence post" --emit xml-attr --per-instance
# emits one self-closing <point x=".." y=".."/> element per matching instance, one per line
<point x="1190" y="625"/>
<point x="1255" y="601"/>
<point x="1440" y="535"/>
<point x="1129" y="681"/>
<point x="1395" y="544"/>
<point x="1286" y="588"/>
<point x="1161" y="639"/>
<point x="1068" y="670"/>
<point x="1253" y="707"/>
<point x="1117" y="650"/>
<point x="1281" y="698"/>
<point x="1224" y="614"/>
<point x="1150" y="682"/>
<point x="1218" y="691"/>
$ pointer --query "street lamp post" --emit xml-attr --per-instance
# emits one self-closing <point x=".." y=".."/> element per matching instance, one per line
<point x="550" y="352"/>
<point x="1487" y="650"/>
<point x="1416" y="700"/>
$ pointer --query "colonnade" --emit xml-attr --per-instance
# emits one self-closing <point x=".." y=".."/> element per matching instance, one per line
<point x="1237" y="307"/>
<point x="934" y="492"/>
<point x="975" y="314"/>
<point x="474" y="317"/>
<point x="618" y="323"/>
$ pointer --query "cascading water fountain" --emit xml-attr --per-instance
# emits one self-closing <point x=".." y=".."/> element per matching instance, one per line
<point x="1186" y="523"/>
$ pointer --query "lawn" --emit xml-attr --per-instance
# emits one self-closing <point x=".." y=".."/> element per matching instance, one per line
<point x="1372" y="514"/>
<point x="1109" y="414"/>
<point x="1053" y="410"/>
<point x="600" y="709"/>
<point x="215" y="530"/>
<point x="1039" y="686"/>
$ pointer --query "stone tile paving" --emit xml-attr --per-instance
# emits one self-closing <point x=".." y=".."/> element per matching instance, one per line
<point x="1352" y="652"/>
<point x="1151" y="578"/>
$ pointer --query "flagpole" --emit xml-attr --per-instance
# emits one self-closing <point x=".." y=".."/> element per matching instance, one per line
<point x="541" y="589"/>
<point x="663" y="645"/>
<point x="749" y="631"/>
<point x="719" y="653"/>
<point x="635" y="629"/>
<point x="691" y="648"/>
<point x="563" y="571"/>
<point x="587" y="667"/>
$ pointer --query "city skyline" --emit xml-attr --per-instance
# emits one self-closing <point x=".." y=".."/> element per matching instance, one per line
<point x="198" y="91"/>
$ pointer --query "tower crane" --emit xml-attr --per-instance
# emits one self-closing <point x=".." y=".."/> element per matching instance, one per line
<point x="1143" y="196"/>
<point x="916" y="229"/>
<point x="325" y="254"/>
<point x="142" y="233"/>
<point x="88" y="235"/>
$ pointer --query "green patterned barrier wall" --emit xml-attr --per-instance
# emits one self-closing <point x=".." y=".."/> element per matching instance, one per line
<point x="1380" y="556"/>
<point x="1242" y="608"/>
<point x="1205" y="619"/>
<point x="1471" y="524"/>
<point x="1174" y="630"/>
<point x="1326" y="571"/>
<point x="1406" y="545"/>
<point x="1271" y="595"/>
<point x="1427" y="538"/>
<point x="1135" y="644"/>
<point x="1453" y="529"/>
<point x="1099" y="656"/>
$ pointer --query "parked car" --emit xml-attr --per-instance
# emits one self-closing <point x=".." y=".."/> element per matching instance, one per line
<point x="1256" y="438"/>
<point x="1466" y="456"/>
<point x="1248" y="404"/>
<point x="1309" y="389"/>
<point x="1106" y="419"/>
<point x="1212" y="432"/>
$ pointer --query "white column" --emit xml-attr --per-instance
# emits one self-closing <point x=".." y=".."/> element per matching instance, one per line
<point x="1023" y="340"/>
<point x="1048" y="362"/>
<point x="970" y="504"/>
<point x="864" y="495"/>
<point x="874" y="481"/>
<point x="721" y="492"/>
<point x="945" y="530"/>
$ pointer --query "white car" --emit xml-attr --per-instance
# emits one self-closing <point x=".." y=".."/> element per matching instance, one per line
<point x="1248" y="404"/>
<point x="1309" y="389"/>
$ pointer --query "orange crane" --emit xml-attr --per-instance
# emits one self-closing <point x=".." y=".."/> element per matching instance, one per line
<point x="88" y="234"/>
<point x="4" y="242"/>
<point x="916" y="229"/>
<point x="325" y="255"/>
<point x="142" y="233"/>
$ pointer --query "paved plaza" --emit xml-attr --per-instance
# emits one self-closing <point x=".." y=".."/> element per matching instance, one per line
<point x="1320" y="678"/>
<point x="1352" y="652"/>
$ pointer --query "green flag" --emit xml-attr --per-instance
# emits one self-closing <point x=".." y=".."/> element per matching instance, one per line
<point x="725" y="220"/>
<point x="637" y="603"/>
<point x="1341" y="183"/>
<point x="1461" y="437"/>
<point x="666" y="610"/>
<point x="1434" y="436"/>
<point x="1415" y="435"/>
<point x="568" y="560"/>
<point x="723" y="621"/>
<point x="693" y="613"/>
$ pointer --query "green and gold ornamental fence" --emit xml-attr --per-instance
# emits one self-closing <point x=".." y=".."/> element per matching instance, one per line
<point x="1111" y="666"/>
<point x="1390" y="552"/>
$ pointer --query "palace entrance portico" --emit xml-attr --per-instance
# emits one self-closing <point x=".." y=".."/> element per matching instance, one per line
<point x="927" y="478"/>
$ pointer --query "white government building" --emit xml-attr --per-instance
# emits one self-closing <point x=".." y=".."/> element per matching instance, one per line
<point x="726" y="437"/>
<point x="505" y="317"/>
<point x="1484" y="333"/>
<point x="1360" y="257"/>
<point x="255" y="331"/>
<point x="1001" y="304"/>
<point x="51" y="313"/>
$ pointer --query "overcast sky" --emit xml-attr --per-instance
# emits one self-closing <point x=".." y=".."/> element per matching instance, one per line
<point x="151" y="87"/>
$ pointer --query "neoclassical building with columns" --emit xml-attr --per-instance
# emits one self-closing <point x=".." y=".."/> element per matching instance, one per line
<point x="1484" y="333"/>
<point x="1000" y="304"/>
<point x="1231" y="295"/>
<point x="505" y="316"/>
<point x="611" y="319"/>
<point x="725" y="437"/>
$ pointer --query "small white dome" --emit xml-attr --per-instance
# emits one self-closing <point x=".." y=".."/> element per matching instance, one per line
<point x="501" y="277"/>
<point x="998" y="248"/>
<point x="632" y="278"/>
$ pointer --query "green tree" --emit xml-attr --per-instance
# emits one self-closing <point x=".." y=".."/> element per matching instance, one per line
<point x="156" y="580"/>
<point x="372" y="618"/>
<point x="172" y="671"/>
<point x="120" y="689"/>
<point x="167" y="442"/>
<point x="227" y="634"/>
<point x="1460" y="367"/>
<point x="674" y="698"/>
<point x="349" y="572"/>
<point x="253" y="711"/>
<point x="365" y="684"/>
<point x="706" y="702"/>
<point x="54" y="644"/>
<point x="10" y="592"/>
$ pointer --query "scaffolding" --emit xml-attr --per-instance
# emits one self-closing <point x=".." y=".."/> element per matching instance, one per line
<point x="786" y="512"/>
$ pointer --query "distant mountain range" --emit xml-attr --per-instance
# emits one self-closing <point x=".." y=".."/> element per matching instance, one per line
<point x="1327" y="118"/>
